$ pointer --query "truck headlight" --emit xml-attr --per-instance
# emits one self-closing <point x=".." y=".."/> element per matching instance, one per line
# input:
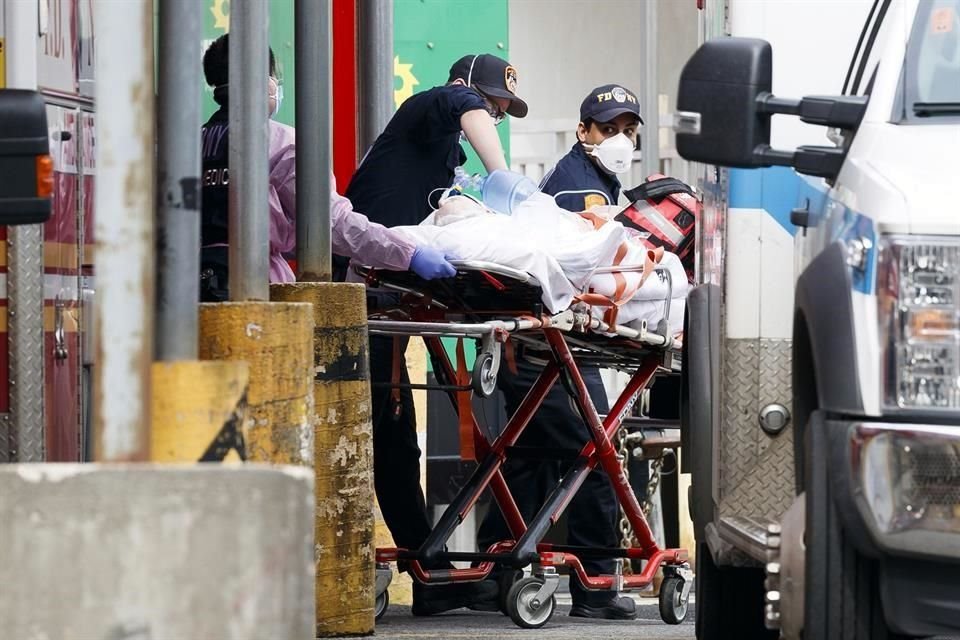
<point x="918" y="297"/>
<point x="908" y="479"/>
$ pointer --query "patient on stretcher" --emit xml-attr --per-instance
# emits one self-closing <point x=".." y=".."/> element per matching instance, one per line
<point x="563" y="251"/>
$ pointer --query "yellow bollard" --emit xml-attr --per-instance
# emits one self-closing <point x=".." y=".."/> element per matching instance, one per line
<point x="198" y="411"/>
<point x="344" y="456"/>
<point x="277" y="342"/>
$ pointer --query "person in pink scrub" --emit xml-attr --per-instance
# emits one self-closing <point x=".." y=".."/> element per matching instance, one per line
<point x="352" y="234"/>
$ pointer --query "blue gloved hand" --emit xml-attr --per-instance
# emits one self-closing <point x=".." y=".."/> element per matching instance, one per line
<point x="428" y="263"/>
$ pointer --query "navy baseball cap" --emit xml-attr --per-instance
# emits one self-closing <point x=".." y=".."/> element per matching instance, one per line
<point x="491" y="75"/>
<point x="605" y="103"/>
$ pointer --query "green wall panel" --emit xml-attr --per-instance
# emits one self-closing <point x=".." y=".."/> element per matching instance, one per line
<point x="429" y="35"/>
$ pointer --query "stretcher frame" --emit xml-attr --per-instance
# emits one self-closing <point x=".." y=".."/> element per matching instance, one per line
<point x="571" y="336"/>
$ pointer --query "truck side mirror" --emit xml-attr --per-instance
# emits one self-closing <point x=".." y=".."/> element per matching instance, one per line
<point x="26" y="168"/>
<point x="721" y="82"/>
<point x="724" y="108"/>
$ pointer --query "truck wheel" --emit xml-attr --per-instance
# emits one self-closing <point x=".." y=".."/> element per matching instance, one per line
<point x="698" y="391"/>
<point x="729" y="601"/>
<point x="841" y="599"/>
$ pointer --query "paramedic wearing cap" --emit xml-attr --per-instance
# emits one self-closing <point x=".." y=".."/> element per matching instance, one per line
<point x="585" y="177"/>
<point x="419" y="149"/>
<point x="606" y="140"/>
<point x="402" y="174"/>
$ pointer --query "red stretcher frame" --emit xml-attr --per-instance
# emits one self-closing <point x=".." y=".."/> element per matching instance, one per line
<point x="526" y="549"/>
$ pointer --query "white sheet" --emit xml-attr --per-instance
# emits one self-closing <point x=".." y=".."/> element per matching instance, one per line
<point x="560" y="249"/>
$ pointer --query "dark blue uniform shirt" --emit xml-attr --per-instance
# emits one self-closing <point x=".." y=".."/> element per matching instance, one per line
<point x="216" y="178"/>
<point x="416" y="154"/>
<point x="577" y="183"/>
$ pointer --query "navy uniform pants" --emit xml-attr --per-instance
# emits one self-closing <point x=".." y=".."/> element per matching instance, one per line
<point x="396" y="453"/>
<point x="593" y="512"/>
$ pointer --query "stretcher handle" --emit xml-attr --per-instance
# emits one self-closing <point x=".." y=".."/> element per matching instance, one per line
<point x="494" y="268"/>
<point x="450" y="329"/>
<point x="664" y="327"/>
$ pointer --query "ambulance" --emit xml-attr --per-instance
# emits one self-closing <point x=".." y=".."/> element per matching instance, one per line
<point x="821" y="385"/>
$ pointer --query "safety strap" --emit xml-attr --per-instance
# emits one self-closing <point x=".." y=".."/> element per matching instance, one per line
<point x="622" y="294"/>
<point x="610" y="316"/>
<point x="396" y="402"/>
<point x="510" y="355"/>
<point x="594" y="219"/>
<point x="468" y="449"/>
<point x="499" y="286"/>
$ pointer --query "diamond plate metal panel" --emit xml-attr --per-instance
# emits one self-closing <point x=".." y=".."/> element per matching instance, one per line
<point x="25" y="291"/>
<point x="7" y="442"/>
<point x="756" y="471"/>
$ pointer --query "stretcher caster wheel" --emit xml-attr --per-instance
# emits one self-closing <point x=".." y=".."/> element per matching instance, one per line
<point x="505" y="582"/>
<point x="484" y="381"/>
<point x="380" y="606"/>
<point x="524" y="608"/>
<point x="673" y="606"/>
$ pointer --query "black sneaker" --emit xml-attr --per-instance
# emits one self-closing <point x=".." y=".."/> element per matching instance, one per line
<point x="616" y="608"/>
<point x="431" y="599"/>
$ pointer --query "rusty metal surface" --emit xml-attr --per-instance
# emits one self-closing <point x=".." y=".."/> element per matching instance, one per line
<point x="124" y="229"/>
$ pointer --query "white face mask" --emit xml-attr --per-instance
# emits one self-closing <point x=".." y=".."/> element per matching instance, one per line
<point x="615" y="154"/>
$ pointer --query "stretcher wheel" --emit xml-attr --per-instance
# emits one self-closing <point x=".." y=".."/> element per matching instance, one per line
<point x="673" y="606"/>
<point x="522" y="607"/>
<point x="380" y="606"/>
<point x="484" y="382"/>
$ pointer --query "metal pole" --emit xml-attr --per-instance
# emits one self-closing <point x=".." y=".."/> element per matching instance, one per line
<point x="313" y="112"/>
<point x="124" y="229"/>
<point x="249" y="222"/>
<point x="651" y="99"/>
<point x="178" y="196"/>
<point x="376" y="68"/>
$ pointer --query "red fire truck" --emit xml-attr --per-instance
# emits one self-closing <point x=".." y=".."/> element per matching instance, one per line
<point x="46" y="284"/>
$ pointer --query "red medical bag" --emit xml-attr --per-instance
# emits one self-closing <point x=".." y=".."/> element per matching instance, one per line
<point x="667" y="210"/>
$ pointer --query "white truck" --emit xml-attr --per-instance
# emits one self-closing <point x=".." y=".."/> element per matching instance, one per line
<point x="821" y="386"/>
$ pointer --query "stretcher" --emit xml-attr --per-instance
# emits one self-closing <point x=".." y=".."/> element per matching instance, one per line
<point x="499" y="307"/>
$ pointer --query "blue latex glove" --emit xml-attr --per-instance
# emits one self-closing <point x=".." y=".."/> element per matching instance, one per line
<point x="428" y="263"/>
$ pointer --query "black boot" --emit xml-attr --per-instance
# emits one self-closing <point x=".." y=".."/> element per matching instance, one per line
<point x="431" y="599"/>
<point x="610" y="607"/>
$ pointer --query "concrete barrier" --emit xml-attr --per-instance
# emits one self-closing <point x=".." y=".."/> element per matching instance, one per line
<point x="145" y="552"/>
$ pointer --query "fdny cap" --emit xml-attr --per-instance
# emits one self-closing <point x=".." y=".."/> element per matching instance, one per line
<point x="605" y="103"/>
<point x="493" y="76"/>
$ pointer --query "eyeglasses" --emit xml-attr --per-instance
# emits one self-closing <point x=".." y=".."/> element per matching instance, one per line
<point x="496" y="114"/>
<point x="494" y="110"/>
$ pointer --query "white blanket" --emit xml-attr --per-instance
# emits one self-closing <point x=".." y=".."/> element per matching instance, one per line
<point x="561" y="250"/>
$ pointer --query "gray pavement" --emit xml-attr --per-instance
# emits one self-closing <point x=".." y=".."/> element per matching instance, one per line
<point x="470" y="625"/>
